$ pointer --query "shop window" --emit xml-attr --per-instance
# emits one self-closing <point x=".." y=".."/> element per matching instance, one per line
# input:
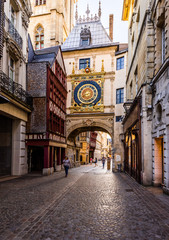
<point x="39" y="38"/>
<point x="84" y="62"/>
<point x="119" y="95"/>
<point x="120" y="63"/>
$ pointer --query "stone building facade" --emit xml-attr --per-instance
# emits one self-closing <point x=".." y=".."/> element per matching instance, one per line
<point x="14" y="100"/>
<point x="119" y="96"/>
<point x="51" y="22"/>
<point x="89" y="55"/>
<point x="46" y="133"/>
<point x="137" y="122"/>
<point x="160" y="96"/>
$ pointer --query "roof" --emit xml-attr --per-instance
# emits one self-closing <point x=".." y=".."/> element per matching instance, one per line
<point x="99" y="37"/>
<point x="121" y="52"/>
<point x="44" y="58"/>
<point x="48" y="55"/>
<point x="48" y="50"/>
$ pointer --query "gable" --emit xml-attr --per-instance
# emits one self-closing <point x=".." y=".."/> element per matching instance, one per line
<point x="60" y="60"/>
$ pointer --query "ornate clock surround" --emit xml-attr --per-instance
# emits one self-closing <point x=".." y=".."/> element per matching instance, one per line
<point x="87" y="93"/>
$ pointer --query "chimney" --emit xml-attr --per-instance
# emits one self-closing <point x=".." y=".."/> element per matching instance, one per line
<point x="111" y="26"/>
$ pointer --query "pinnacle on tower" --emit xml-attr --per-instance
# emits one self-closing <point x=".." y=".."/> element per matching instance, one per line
<point x="76" y="13"/>
<point x="99" y="11"/>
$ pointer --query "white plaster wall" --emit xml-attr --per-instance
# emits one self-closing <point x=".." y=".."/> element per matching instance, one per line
<point x="19" y="154"/>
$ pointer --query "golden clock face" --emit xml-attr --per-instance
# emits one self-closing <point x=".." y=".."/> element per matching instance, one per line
<point x="88" y="92"/>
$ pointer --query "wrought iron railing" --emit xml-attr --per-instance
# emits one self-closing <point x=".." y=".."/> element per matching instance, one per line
<point x="13" y="32"/>
<point x="14" y="88"/>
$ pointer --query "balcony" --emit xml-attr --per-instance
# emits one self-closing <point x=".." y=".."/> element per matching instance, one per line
<point x="10" y="87"/>
<point x="9" y="27"/>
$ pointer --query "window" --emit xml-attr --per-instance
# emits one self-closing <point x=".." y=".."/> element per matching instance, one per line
<point x="12" y="15"/>
<point x="119" y="95"/>
<point x="120" y="63"/>
<point x="131" y="90"/>
<point x="119" y="118"/>
<point x="40" y="2"/>
<point x="39" y="38"/>
<point x="163" y="44"/>
<point x="11" y="69"/>
<point x="85" y="42"/>
<point x="85" y="36"/>
<point x="83" y="63"/>
<point x="136" y="79"/>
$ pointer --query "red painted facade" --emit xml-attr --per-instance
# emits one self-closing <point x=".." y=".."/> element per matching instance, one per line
<point x="52" y="141"/>
<point x="56" y="102"/>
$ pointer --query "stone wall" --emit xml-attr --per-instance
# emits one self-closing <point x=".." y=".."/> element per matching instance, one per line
<point x="37" y="119"/>
<point x="57" y="19"/>
<point x="36" y="79"/>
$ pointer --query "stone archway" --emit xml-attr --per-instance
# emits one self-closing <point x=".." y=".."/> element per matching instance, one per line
<point x="88" y="122"/>
<point x="77" y="123"/>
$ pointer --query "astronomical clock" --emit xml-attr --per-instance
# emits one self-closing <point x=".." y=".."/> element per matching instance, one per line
<point x="87" y="92"/>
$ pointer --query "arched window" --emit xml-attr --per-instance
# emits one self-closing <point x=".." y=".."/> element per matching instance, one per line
<point x="40" y="2"/>
<point x="39" y="37"/>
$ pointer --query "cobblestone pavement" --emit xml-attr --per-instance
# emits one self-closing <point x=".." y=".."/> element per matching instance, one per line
<point x="91" y="203"/>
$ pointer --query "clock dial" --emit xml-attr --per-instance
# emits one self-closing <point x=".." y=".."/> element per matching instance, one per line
<point x="88" y="92"/>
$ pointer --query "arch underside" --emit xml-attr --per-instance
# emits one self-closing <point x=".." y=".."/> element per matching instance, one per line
<point x="83" y="123"/>
<point x="77" y="131"/>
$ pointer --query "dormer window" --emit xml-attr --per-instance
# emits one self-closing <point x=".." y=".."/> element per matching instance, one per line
<point x="85" y="42"/>
<point x="85" y="36"/>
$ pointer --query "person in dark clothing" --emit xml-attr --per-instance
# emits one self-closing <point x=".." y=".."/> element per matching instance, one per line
<point x="66" y="163"/>
<point x="103" y="161"/>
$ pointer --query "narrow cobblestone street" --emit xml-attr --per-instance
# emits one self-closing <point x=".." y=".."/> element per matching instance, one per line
<point x="91" y="203"/>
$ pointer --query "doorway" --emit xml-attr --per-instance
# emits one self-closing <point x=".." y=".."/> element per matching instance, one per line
<point x="35" y="159"/>
<point x="159" y="161"/>
<point x="5" y="145"/>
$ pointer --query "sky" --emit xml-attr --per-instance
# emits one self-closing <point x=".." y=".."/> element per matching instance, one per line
<point x="120" y="31"/>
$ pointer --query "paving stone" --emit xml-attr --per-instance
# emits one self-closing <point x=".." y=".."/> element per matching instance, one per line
<point x="92" y="203"/>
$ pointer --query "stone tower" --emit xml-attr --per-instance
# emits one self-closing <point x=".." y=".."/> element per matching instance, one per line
<point x="51" y="22"/>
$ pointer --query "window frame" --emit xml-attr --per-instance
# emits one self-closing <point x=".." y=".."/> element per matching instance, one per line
<point x="84" y="63"/>
<point x="39" y="37"/>
<point x="119" y="95"/>
<point x="12" y="15"/>
<point x="163" y="44"/>
<point x="11" y="69"/>
<point x="119" y="118"/>
<point x="120" y="63"/>
<point x="40" y="2"/>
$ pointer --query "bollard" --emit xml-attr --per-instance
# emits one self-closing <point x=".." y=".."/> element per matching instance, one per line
<point x="108" y="164"/>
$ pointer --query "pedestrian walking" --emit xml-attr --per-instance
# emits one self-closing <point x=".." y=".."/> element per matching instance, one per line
<point x="103" y="161"/>
<point x="95" y="162"/>
<point x="66" y="163"/>
<point x="91" y="160"/>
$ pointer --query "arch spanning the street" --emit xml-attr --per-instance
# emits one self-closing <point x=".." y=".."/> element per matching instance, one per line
<point x="97" y="122"/>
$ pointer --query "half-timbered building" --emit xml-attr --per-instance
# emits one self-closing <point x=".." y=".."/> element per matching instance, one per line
<point x="46" y="82"/>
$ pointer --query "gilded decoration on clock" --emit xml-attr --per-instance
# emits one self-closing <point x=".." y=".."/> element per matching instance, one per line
<point x="87" y="94"/>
